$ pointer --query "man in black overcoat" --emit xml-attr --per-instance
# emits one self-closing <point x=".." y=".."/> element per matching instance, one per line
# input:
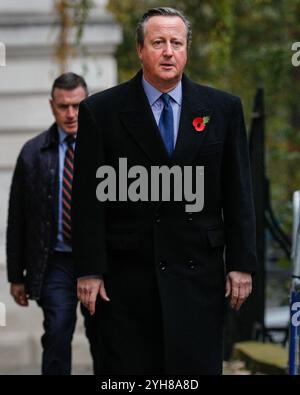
<point x="161" y="270"/>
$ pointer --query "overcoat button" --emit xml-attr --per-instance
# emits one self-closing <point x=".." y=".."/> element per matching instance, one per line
<point x="191" y="264"/>
<point x="162" y="266"/>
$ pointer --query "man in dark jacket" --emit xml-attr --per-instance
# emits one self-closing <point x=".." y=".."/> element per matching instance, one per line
<point x="158" y="263"/>
<point x="39" y="253"/>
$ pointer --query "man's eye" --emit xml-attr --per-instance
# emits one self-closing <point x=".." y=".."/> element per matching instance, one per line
<point x="157" y="43"/>
<point x="177" y="44"/>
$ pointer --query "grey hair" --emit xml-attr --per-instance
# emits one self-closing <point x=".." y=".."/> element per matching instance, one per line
<point x="161" y="11"/>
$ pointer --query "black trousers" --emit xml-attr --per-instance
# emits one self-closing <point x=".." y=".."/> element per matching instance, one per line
<point x="59" y="302"/>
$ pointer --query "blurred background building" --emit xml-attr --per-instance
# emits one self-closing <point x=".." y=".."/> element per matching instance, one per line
<point x="30" y="32"/>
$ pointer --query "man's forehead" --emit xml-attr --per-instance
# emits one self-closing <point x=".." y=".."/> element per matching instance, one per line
<point x="170" y="22"/>
<point x="165" y="25"/>
<point x="69" y="95"/>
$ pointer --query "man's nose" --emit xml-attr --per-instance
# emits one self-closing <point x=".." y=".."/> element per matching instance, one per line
<point x="71" y="112"/>
<point x="168" y="50"/>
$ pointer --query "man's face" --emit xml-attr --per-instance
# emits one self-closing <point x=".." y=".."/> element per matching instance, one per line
<point x="65" y="106"/>
<point x="164" y="52"/>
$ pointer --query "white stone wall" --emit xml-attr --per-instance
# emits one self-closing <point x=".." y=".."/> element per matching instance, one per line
<point x="29" y="30"/>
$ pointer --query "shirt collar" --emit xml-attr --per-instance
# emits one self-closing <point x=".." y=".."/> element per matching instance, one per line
<point x="154" y="94"/>
<point x="62" y="135"/>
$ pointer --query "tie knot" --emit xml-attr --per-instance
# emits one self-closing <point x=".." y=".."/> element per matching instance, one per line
<point x="166" y="99"/>
<point x="69" y="140"/>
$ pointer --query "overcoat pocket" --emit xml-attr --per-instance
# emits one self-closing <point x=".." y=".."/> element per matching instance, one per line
<point x="216" y="237"/>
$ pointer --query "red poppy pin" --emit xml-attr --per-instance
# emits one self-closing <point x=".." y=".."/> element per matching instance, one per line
<point x="199" y="123"/>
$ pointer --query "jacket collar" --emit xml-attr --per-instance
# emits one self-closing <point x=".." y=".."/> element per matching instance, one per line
<point x="51" y="137"/>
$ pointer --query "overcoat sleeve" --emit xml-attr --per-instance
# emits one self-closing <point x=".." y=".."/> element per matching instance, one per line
<point x="238" y="207"/>
<point x="88" y="214"/>
<point x="15" y="235"/>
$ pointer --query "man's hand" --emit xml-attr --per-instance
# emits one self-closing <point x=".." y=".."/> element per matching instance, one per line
<point x="87" y="291"/>
<point x="18" y="292"/>
<point x="238" y="287"/>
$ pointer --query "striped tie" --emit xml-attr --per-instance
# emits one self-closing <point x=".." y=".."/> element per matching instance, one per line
<point x="67" y="190"/>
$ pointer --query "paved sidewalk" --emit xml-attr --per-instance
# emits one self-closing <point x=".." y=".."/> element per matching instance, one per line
<point x="230" y="368"/>
<point x="35" y="370"/>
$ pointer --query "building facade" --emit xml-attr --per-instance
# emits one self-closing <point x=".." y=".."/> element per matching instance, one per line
<point x="28" y="34"/>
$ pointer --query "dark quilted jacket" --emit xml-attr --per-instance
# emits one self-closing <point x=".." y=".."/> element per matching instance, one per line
<point x="32" y="216"/>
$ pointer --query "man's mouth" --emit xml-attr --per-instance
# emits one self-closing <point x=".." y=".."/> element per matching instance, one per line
<point x="168" y="65"/>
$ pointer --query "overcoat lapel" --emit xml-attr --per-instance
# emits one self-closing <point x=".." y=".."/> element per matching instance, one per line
<point x="139" y="121"/>
<point x="194" y="104"/>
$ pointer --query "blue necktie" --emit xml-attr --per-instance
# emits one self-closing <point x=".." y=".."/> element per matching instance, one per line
<point x="166" y="123"/>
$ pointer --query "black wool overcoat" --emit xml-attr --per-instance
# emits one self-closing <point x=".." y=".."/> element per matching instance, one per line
<point x="164" y="267"/>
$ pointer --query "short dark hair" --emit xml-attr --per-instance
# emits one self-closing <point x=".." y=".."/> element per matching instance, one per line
<point x="69" y="81"/>
<point x="161" y="11"/>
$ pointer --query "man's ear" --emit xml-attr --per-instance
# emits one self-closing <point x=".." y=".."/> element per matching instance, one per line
<point x="51" y="105"/>
<point x="139" y="51"/>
